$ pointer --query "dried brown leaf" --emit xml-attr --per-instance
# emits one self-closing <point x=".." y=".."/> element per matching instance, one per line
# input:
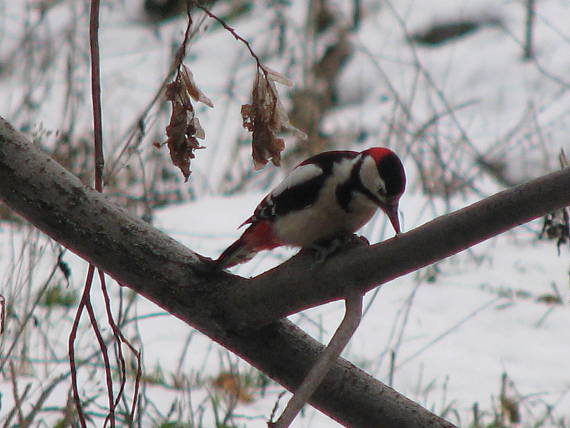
<point x="184" y="128"/>
<point x="277" y="77"/>
<point x="193" y="89"/>
<point x="177" y="141"/>
<point x="265" y="117"/>
<point x="266" y="146"/>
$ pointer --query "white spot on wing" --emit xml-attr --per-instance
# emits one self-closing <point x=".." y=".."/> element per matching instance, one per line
<point x="299" y="175"/>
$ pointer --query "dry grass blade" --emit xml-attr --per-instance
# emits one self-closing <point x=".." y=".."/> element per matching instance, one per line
<point x="2" y="313"/>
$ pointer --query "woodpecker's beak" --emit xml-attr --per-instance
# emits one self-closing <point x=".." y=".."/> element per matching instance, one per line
<point x="392" y="213"/>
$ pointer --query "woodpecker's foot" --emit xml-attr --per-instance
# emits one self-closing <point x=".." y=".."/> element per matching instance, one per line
<point x="324" y="249"/>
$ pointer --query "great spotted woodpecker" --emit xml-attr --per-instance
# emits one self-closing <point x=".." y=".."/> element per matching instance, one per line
<point x="330" y="195"/>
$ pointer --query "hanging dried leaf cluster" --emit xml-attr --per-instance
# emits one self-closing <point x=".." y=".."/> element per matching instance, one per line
<point x="184" y="128"/>
<point x="265" y="117"/>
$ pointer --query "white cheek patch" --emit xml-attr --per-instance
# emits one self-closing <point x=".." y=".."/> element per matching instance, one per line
<point x="298" y="176"/>
<point x="370" y="178"/>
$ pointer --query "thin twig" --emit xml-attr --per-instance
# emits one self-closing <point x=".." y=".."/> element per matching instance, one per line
<point x="239" y="38"/>
<point x="71" y="346"/>
<point x="27" y="318"/>
<point x="276" y="405"/>
<point x="105" y="354"/>
<point x="454" y="327"/>
<point x="121" y="339"/>
<point x="2" y="313"/>
<point x="96" y="94"/>
<point x="46" y="391"/>
<point x="122" y="369"/>
<point x="17" y="398"/>
<point x="233" y="32"/>
<point x="17" y="409"/>
<point x="181" y="52"/>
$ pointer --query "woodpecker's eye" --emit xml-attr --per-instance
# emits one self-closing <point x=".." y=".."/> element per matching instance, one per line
<point x="381" y="189"/>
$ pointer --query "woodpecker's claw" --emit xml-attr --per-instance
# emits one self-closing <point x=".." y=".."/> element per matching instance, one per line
<point x="324" y="249"/>
<point x="323" y="252"/>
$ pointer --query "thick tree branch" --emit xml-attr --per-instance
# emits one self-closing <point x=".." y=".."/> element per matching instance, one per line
<point x="220" y="304"/>
<point x="167" y="273"/>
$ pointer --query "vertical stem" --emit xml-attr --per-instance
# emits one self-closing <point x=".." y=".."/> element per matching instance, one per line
<point x="529" y="28"/>
<point x="392" y="368"/>
<point x="96" y="93"/>
<point x="356" y="14"/>
<point x="99" y="165"/>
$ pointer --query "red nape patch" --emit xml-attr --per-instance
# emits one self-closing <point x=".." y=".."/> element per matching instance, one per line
<point x="259" y="236"/>
<point x="378" y="153"/>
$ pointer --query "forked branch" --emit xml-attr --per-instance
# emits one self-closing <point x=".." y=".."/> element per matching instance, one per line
<point x="345" y="331"/>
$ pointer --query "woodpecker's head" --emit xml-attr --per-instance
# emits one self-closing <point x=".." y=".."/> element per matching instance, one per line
<point x="384" y="180"/>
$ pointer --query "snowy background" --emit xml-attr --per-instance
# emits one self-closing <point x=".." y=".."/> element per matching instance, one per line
<point x="465" y="338"/>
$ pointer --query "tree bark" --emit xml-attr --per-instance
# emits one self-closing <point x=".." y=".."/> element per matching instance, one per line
<point x="221" y="305"/>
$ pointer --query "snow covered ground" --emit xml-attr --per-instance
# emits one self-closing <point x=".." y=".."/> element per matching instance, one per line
<point x="444" y="336"/>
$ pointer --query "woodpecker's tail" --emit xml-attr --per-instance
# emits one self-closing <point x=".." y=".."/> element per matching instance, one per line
<point x="257" y="237"/>
<point x="234" y="255"/>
